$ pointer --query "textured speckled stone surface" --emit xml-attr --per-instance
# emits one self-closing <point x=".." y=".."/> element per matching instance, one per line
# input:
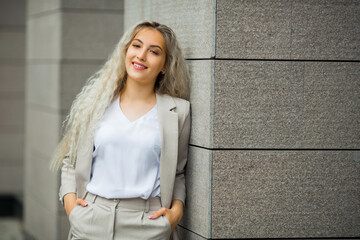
<point x="331" y="105"/>
<point x="12" y="13"/>
<point x="201" y="99"/>
<point x="43" y="37"/>
<point x="299" y="29"/>
<point x="253" y="29"/>
<point x="73" y="77"/>
<point x="258" y="104"/>
<point x="12" y="45"/>
<point x="325" y="29"/>
<point x="286" y="105"/>
<point x="90" y="35"/>
<point x="41" y="6"/>
<point x="192" y="21"/>
<point x="188" y="235"/>
<point x="197" y="217"/>
<point x="285" y="194"/>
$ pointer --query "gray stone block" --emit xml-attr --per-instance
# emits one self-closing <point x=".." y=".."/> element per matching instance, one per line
<point x="331" y="105"/>
<point x="12" y="79"/>
<point x="12" y="44"/>
<point x="325" y="29"/>
<point x="286" y="105"/>
<point x="44" y="37"/>
<point x="38" y="174"/>
<point x="113" y="5"/>
<point x="11" y="179"/>
<point x="12" y="13"/>
<point x="64" y="227"/>
<point x="12" y="112"/>
<point x="43" y="84"/>
<point x="201" y="98"/>
<point x="11" y="148"/>
<point x="297" y="29"/>
<point x="42" y="131"/>
<point x="73" y="78"/>
<point x="197" y="215"/>
<point x="253" y="29"/>
<point x="188" y="235"/>
<point x="285" y="194"/>
<point x="258" y="104"/>
<point x="192" y="21"/>
<point x="39" y="221"/>
<point x="41" y="6"/>
<point x="90" y="36"/>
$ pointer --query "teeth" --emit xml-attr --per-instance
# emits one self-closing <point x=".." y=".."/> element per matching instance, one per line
<point x="139" y="66"/>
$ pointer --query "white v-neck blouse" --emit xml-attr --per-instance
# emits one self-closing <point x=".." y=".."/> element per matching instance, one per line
<point x="126" y="159"/>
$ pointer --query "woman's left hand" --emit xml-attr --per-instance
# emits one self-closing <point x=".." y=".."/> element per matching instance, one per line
<point x="173" y="214"/>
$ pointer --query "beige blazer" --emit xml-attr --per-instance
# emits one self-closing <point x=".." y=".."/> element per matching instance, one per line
<point x="174" y="124"/>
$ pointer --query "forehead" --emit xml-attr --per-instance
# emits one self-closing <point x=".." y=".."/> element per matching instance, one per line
<point x="151" y="37"/>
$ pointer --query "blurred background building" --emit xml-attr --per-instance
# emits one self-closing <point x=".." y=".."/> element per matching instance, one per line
<point x="275" y="142"/>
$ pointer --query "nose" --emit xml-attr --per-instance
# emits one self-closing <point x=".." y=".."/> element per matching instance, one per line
<point x="141" y="55"/>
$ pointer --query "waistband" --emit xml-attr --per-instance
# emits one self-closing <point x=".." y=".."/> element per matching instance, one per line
<point x="150" y="204"/>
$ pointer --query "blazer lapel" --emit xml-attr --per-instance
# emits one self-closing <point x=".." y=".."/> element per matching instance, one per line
<point x="168" y="125"/>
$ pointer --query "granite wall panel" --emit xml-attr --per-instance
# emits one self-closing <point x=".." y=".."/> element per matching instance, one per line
<point x="12" y="55"/>
<point x="11" y="146"/>
<point x="73" y="77"/>
<point x="188" y="235"/>
<point x="12" y="13"/>
<point x="12" y="45"/>
<point x="201" y="98"/>
<point x="297" y="29"/>
<point x="98" y="5"/>
<point x="44" y="77"/>
<point x="284" y="104"/>
<point x="90" y="35"/>
<point x="192" y="21"/>
<point x="12" y="112"/>
<point x="285" y="194"/>
<point x="197" y="214"/>
<point x="43" y="35"/>
<point x="35" y="7"/>
<point x="12" y="77"/>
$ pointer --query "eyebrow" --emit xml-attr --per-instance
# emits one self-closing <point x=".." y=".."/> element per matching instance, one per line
<point x="150" y="45"/>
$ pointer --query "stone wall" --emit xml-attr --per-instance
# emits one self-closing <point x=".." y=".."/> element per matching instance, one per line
<point x="12" y="88"/>
<point x="275" y="108"/>
<point x="275" y="115"/>
<point x="67" y="41"/>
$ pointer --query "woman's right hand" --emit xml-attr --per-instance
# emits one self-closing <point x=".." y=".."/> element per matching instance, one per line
<point x="70" y="202"/>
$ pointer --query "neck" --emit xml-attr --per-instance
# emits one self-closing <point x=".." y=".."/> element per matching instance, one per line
<point x="136" y="92"/>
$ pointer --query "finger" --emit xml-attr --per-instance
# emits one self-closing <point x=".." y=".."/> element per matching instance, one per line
<point x="158" y="213"/>
<point x="81" y="202"/>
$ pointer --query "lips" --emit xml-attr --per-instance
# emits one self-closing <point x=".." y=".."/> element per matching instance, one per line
<point x="138" y="66"/>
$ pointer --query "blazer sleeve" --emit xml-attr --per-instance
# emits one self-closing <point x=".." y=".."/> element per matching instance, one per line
<point x="68" y="183"/>
<point x="179" y="192"/>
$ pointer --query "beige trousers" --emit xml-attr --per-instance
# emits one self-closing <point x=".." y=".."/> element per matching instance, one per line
<point x="118" y="219"/>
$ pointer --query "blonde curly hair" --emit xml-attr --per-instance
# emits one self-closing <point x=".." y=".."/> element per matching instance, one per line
<point x="107" y="83"/>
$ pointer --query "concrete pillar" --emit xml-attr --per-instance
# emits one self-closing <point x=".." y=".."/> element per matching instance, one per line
<point x="12" y="81"/>
<point x="275" y="103"/>
<point x="67" y="41"/>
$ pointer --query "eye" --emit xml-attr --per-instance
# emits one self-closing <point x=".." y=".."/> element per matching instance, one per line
<point x="136" y="45"/>
<point x="154" y="52"/>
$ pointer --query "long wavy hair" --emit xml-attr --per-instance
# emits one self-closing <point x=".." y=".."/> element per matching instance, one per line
<point x="107" y="83"/>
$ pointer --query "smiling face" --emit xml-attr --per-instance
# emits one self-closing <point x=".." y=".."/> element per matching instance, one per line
<point x="145" y="57"/>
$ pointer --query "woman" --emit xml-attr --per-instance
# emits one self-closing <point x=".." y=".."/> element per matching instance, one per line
<point x="125" y="146"/>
